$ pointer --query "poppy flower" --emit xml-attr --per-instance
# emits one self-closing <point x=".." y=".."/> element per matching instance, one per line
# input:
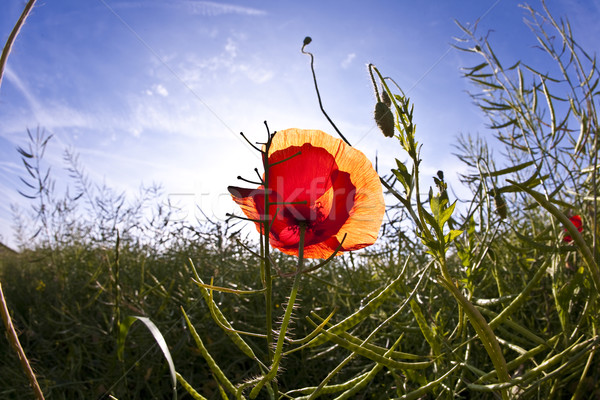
<point x="320" y="182"/>
<point x="575" y="220"/>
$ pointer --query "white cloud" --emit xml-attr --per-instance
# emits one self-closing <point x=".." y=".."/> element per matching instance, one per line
<point x="348" y="60"/>
<point x="209" y="8"/>
<point x="161" y="90"/>
<point x="136" y="132"/>
<point x="158" y="89"/>
<point x="231" y="48"/>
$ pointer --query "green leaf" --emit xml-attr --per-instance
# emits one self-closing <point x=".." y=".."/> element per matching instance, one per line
<point x="446" y="214"/>
<point x="476" y="68"/>
<point x="504" y="125"/>
<point x="509" y="170"/>
<point x="403" y="175"/>
<point x="453" y="234"/>
<point x="432" y="221"/>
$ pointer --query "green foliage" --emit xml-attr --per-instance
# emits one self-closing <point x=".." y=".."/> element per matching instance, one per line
<point x="478" y="298"/>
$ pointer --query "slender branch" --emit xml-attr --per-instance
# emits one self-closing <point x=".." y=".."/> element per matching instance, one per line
<point x="13" y="36"/>
<point x="249" y="181"/>
<point x="250" y="143"/>
<point x="13" y="338"/>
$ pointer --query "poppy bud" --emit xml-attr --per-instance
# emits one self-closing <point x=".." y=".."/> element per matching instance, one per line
<point x="307" y="40"/>
<point x="385" y="98"/>
<point x="384" y="119"/>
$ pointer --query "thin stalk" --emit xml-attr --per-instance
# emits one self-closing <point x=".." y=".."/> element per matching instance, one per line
<point x="14" y="341"/>
<point x="13" y="36"/>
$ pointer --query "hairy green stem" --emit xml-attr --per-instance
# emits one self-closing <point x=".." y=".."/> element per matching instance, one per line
<point x="277" y="356"/>
<point x="266" y="260"/>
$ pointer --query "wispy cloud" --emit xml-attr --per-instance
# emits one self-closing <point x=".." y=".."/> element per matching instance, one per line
<point x="197" y="7"/>
<point x="210" y="8"/>
<point x="50" y="115"/>
<point x="197" y="71"/>
<point x="12" y="77"/>
<point x="348" y="60"/>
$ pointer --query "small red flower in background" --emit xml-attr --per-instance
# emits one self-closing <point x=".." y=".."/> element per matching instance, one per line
<point x="334" y="187"/>
<point x="577" y="221"/>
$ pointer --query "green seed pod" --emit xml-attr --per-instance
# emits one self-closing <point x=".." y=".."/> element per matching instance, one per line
<point x="384" y="119"/>
<point x="385" y="98"/>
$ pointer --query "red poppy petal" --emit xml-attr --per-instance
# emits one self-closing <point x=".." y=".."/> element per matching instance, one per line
<point x="251" y="201"/>
<point x="332" y="210"/>
<point x="578" y="222"/>
<point x="302" y="178"/>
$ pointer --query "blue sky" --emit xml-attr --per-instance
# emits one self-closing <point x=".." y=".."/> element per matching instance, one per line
<point x="158" y="91"/>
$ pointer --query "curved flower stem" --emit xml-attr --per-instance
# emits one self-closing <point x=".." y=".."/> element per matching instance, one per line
<point x="312" y="68"/>
<point x="286" y="319"/>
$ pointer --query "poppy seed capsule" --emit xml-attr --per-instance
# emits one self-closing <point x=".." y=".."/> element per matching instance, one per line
<point x="384" y="119"/>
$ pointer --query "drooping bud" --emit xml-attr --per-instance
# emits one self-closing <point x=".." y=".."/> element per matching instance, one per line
<point x="307" y="40"/>
<point x="385" y="98"/>
<point x="384" y="119"/>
